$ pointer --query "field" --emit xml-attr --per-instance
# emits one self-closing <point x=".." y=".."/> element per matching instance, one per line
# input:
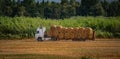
<point x="31" y="49"/>
<point x="25" y="27"/>
<point x="21" y="29"/>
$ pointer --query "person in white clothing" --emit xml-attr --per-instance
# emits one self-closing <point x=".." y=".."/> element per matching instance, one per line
<point x="39" y="36"/>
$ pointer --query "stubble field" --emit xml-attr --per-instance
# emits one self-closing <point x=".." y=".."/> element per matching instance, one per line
<point x="31" y="49"/>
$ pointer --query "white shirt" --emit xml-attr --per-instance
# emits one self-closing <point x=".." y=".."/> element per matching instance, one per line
<point x="40" y="32"/>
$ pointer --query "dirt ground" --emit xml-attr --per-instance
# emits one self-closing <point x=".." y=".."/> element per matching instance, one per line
<point x="100" y="48"/>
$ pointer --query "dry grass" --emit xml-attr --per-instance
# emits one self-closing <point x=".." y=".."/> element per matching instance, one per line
<point x="98" y="49"/>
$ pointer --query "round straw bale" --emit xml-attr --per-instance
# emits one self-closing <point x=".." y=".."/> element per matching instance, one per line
<point x="53" y="27"/>
<point x="81" y="33"/>
<point x="66" y="33"/>
<point x="70" y="33"/>
<point x="88" y="33"/>
<point x="54" y="30"/>
<point x="60" y="28"/>
<point x="61" y="33"/>
<point x="75" y="32"/>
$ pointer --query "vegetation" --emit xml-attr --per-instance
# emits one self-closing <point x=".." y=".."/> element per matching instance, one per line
<point x="25" y="27"/>
<point x="59" y="10"/>
<point x="16" y="16"/>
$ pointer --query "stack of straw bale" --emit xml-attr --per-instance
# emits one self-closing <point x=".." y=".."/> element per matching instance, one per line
<point x="70" y="33"/>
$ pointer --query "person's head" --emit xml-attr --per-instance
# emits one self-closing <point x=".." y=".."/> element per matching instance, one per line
<point x="40" y="26"/>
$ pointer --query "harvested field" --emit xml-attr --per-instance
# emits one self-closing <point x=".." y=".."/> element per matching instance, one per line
<point x="29" y="48"/>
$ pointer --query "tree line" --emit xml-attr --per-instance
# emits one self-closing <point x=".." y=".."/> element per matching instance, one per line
<point x="55" y="10"/>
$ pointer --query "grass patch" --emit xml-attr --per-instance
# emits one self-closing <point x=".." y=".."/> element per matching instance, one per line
<point x="25" y="27"/>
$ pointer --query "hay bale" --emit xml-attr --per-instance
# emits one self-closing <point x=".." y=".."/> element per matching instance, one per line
<point x="53" y="30"/>
<point x="60" y="32"/>
<point x="88" y="33"/>
<point x="81" y="33"/>
<point x="66" y="33"/>
<point x="70" y="34"/>
<point x="53" y="27"/>
<point x="56" y="31"/>
<point x="75" y="32"/>
<point x="58" y="27"/>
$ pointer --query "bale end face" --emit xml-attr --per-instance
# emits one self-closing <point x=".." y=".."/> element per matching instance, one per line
<point x="88" y="33"/>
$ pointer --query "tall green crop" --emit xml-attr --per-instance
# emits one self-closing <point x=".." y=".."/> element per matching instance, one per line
<point x="25" y="27"/>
